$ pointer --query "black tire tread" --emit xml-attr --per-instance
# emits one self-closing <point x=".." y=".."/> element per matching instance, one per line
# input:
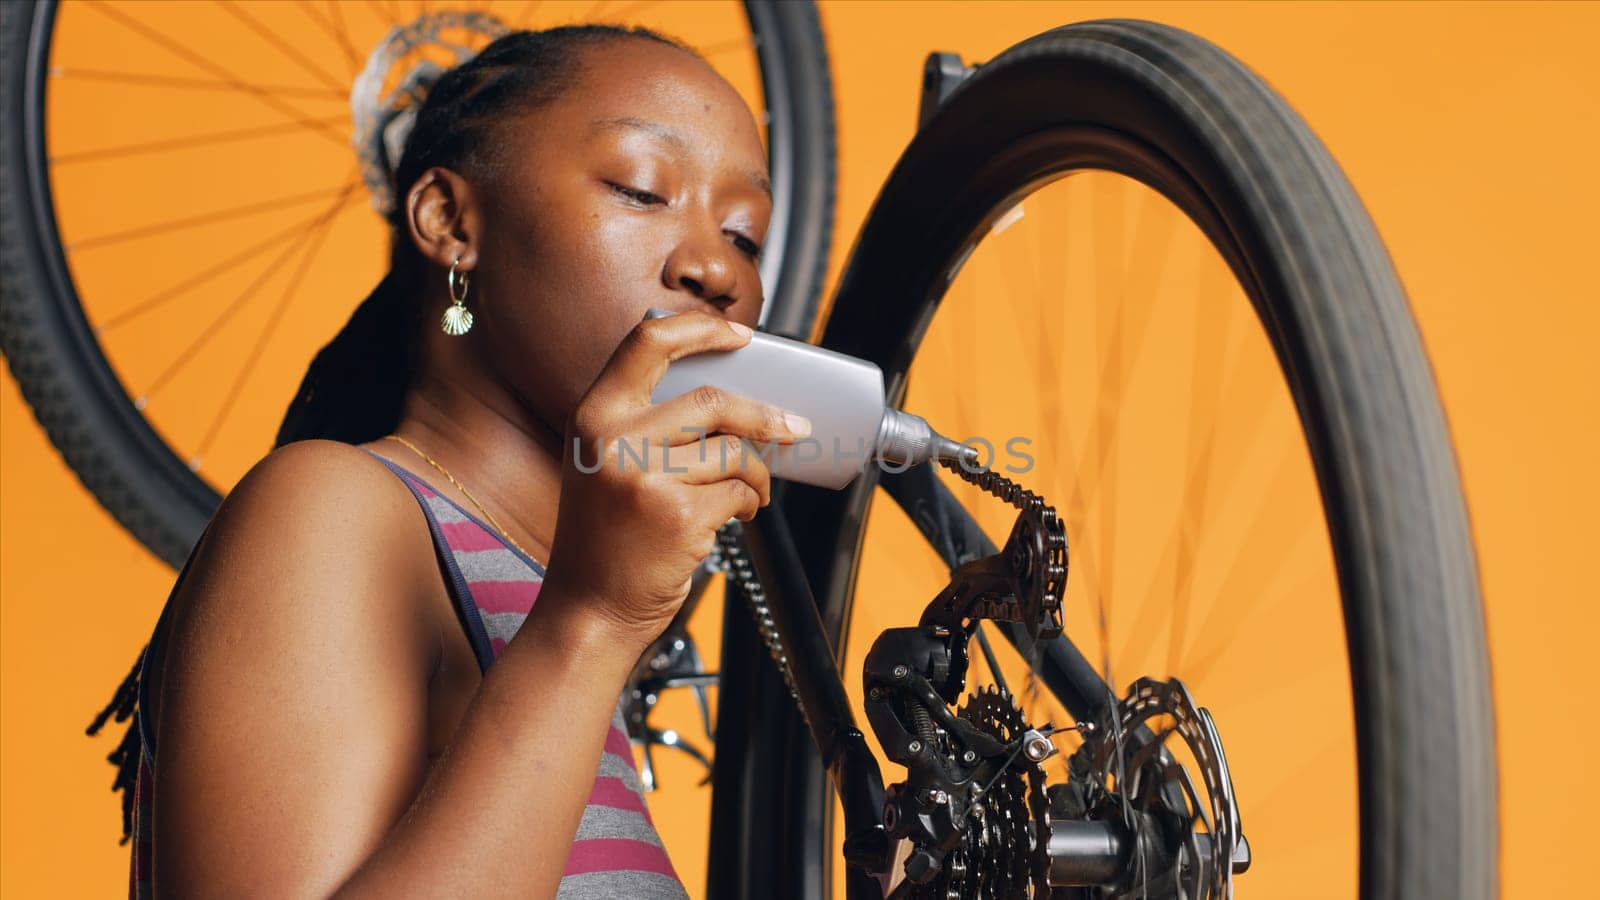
<point x="65" y="399"/>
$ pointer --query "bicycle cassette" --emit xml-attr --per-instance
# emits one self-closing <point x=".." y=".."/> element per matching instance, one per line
<point x="1004" y="813"/>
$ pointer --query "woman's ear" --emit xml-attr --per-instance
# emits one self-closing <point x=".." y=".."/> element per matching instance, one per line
<point x="443" y="217"/>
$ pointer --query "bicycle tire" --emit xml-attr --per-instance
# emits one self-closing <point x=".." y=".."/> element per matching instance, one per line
<point x="1174" y="111"/>
<point x="86" y="412"/>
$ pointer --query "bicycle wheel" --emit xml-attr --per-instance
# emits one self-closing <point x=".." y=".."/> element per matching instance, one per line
<point x="1195" y="324"/>
<point x="158" y="334"/>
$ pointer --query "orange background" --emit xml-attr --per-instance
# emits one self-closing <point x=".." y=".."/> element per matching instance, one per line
<point x="1469" y="131"/>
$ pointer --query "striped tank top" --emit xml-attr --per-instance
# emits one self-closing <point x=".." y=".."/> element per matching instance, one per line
<point x="616" y="851"/>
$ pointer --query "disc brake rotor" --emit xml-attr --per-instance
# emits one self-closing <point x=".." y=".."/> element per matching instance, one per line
<point x="1133" y="773"/>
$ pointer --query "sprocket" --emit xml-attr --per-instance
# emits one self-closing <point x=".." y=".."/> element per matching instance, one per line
<point x="1000" y="854"/>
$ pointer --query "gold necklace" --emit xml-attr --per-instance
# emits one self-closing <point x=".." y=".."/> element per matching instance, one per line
<point x="463" y="488"/>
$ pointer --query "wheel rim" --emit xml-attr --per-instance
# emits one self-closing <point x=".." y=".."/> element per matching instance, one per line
<point x="1077" y="187"/>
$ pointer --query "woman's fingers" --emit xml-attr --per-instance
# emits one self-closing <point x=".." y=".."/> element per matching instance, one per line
<point x="690" y="416"/>
<point x="743" y="501"/>
<point x="722" y="457"/>
<point x="639" y="362"/>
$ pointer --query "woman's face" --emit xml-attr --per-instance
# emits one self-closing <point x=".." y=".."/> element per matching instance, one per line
<point x="644" y="184"/>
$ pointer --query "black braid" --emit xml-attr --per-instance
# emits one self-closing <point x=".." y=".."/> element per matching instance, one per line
<point x="354" y="388"/>
<point x="125" y="757"/>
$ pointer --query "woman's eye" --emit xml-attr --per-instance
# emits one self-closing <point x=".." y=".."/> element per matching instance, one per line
<point x="748" y="246"/>
<point x="644" y="197"/>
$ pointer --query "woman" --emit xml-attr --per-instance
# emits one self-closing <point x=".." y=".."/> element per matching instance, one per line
<point x="319" y="692"/>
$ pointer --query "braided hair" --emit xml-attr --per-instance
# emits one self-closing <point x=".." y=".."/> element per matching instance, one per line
<point x="354" y="389"/>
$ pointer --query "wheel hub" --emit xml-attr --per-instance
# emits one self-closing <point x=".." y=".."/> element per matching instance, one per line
<point x="382" y="118"/>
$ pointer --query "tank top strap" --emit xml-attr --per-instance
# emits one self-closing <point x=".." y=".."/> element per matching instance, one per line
<point x="461" y="597"/>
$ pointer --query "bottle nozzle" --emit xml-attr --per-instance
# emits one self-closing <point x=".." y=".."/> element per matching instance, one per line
<point x="945" y="448"/>
<point x="905" y="439"/>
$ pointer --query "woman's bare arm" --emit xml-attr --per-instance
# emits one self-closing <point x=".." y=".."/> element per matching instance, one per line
<point x="292" y="737"/>
<point x="531" y="741"/>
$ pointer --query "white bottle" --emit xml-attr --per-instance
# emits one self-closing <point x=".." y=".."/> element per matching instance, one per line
<point x="852" y="425"/>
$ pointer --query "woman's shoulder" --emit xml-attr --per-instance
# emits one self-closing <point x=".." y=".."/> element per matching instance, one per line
<point x="313" y="546"/>
<point x="324" y="462"/>
<point x="312" y="481"/>
<point x="318" y="512"/>
<point x="313" y="563"/>
<point x="300" y="651"/>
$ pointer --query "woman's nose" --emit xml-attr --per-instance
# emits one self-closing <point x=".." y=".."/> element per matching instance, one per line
<point x="704" y="269"/>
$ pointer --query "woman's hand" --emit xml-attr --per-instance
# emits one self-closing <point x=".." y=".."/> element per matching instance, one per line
<point x="629" y="536"/>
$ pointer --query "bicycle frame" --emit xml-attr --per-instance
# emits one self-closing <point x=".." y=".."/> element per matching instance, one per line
<point x="817" y="686"/>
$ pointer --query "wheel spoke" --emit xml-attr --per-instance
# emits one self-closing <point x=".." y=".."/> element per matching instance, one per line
<point x="337" y="18"/>
<point x="746" y="43"/>
<point x="1180" y="552"/>
<point x="383" y="13"/>
<point x="1205" y="403"/>
<point x="1249" y="403"/>
<point x="282" y="46"/>
<point x="1244" y="587"/>
<point x="1120" y="333"/>
<point x="198" y="84"/>
<point x="210" y="218"/>
<point x="632" y="9"/>
<point x="527" y="11"/>
<point x="322" y="230"/>
<point x="177" y="290"/>
<point x="221" y="319"/>
<point x="177" y="49"/>
<point x="232" y="309"/>
<point x="337" y="34"/>
<point x="184" y="143"/>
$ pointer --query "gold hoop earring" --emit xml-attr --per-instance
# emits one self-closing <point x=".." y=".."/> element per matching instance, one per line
<point x="457" y="318"/>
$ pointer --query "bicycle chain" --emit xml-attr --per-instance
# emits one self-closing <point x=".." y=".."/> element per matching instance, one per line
<point x="1047" y="577"/>
<point x="731" y="559"/>
<point x="1007" y="490"/>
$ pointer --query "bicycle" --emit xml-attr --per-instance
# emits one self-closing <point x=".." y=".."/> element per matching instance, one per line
<point x="1392" y="767"/>
<point x="1148" y="118"/>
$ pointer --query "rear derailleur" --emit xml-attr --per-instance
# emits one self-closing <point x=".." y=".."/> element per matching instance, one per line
<point x="975" y="817"/>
